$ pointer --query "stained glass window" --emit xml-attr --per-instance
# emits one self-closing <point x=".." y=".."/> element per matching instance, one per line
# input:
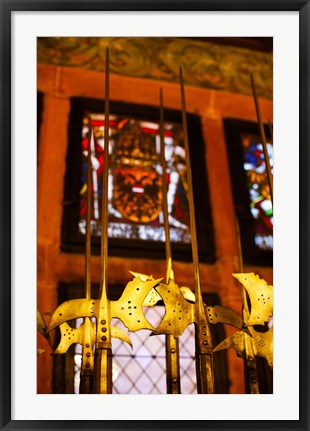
<point x="135" y="217"/>
<point x="135" y="179"/>
<point x="253" y="207"/>
<point x="260" y="202"/>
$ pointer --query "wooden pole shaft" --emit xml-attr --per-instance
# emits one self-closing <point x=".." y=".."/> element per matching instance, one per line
<point x="103" y="353"/>
<point x="203" y="339"/>
<point x="104" y="212"/>
<point x="165" y="192"/>
<point x="263" y="138"/>
<point x="87" y="360"/>
<point x="172" y="343"/>
<point x="88" y="216"/>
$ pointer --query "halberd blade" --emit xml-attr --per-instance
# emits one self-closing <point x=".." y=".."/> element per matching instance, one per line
<point x="152" y="298"/>
<point x="121" y="335"/>
<point x="73" y="309"/>
<point x="236" y="341"/>
<point x="179" y="312"/>
<point x="188" y="293"/>
<point x="128" y="308"/>
<point x="261" y="297"/>
<point x="262" y="343"/>
<point x="71" y="336"/>
<point x="41" y="326"/>
<point x="143" y="277"/>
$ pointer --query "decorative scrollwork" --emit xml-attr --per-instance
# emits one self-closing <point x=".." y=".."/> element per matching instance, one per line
<point x="205" y="64"/>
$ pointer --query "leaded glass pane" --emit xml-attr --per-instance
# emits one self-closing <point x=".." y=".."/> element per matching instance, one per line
<point x="142" y="370"/>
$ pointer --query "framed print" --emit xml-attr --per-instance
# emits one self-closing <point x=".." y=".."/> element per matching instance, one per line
<point x="154" y="182"/>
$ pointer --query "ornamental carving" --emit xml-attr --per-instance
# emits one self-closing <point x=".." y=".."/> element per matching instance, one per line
<point x="205" y="64"/>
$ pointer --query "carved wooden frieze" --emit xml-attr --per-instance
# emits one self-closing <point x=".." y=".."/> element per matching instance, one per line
<point x="205" y="64"/>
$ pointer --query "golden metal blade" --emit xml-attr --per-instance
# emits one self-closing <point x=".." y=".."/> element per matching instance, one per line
<point x="79" y="335"/>
<point x="220" y="314"/>
<point x="73" y="309"/>
<point x="261" y="297"/>
<point x="103" y="354"/>
<point x="133" y="296"/>
<point x="88" y="338"/>
<point x="121" y="335"/>
<point x="251" y="343"/>
<point x="143" y="277"/>
<point x="152" y="298"/>
<point x="173" y="365"/>
<point x="250" y="365"/>
<point x="179" y="313"/>
<point x="261" y="344"/>
<point x="41" y="327"/>
<point x="128" y="308"/>
<point x="236" y="341"/>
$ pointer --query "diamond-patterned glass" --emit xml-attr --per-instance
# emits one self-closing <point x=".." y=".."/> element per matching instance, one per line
<point x="142" y="370"/>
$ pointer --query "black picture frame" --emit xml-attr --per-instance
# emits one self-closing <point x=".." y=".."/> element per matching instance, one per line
<point x="7" y="7"/>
